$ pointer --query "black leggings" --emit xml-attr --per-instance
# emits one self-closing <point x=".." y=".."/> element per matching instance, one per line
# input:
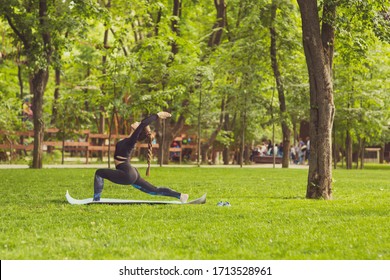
<point x="125" y="174"/>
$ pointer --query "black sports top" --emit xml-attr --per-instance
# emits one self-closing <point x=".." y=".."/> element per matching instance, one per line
<point x="124" y="147"/>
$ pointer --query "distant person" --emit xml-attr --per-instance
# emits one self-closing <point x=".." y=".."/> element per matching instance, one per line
<point x="301" y="151"/>
<point x="263" y="149"/>
<point x="276" y="150"/>
<point x="270" y="148"/>
<point x="280" y="150"/>
<point x="295" y="153"/>
<point x="27" y="111"/>
<point x="175" y="155"/>
<point x="307" y="147"/>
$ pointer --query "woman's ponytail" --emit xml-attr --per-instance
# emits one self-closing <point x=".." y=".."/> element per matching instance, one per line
<point x="150" y="149"/>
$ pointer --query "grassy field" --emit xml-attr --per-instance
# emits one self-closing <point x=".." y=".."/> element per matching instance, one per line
<point x="269" y="217"/>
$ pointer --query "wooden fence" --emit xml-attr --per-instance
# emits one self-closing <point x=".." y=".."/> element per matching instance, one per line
<point x="89" y="144"/>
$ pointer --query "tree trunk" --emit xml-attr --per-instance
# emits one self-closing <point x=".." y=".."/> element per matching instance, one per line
<point x="321" y="102"/>
<point x="362" y="144"/>
<point x="38" y="82"/>
<point x="242" y="144"/>
<point x="165" y="147"/>
<point x="382" y="154"/>
<point x="335" y="149"/>
<point x="54" y="110"/>
<point x="348" y="150"/>
<point x="102" y="121"/>
<point x="226" y="150"/>
<point x="228" y="125"/>
<point x="21" y="93"/>
<point x="172" y="129"/>
<point x="216" y="36"/>
<point x="215" y="40"/>
<point x="279" y="85"/>
<point x="226" y="156"/>
<point x="206" y="146"/>
<point x="202" y="150"/>
<point x="176" y="13"/>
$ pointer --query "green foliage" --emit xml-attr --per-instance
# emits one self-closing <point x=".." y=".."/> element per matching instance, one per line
<point x="72" y="116"/>
<point x="141" y="72"/>
<point x="11" y="115"/>
<point x="226" y="138"/>
<point x="8" y="80"/>
<point x="268" y="219"/>
<point x="361" y="94"/>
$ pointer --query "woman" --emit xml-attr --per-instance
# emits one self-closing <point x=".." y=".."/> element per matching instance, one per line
<point x="125" y="174"/>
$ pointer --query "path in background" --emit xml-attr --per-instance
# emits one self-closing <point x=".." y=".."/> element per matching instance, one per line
<point x="140" y="165"/>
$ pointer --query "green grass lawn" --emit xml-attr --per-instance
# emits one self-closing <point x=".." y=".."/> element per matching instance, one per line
<point x="269" y="217"/>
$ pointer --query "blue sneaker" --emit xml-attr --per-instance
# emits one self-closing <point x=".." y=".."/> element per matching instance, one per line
<point x="96" y="197"/>
<point x="220" y="203"/>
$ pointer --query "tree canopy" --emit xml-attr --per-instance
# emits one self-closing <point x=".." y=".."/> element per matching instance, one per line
<point x="207" y="62"/>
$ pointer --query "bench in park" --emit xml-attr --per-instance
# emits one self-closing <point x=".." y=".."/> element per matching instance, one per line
<point x="266" y="159"/>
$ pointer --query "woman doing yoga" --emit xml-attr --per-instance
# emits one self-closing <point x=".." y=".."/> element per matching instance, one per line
<point x="125" y="174"/>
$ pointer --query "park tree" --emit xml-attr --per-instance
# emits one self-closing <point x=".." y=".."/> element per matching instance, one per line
<point x="9" y="122"/>
<point x="237" y="56"/>
<point x="279" y="85"/>
<point x="157" y="51"/>
<point x="360" y="94"/>
<point x="35" y="26"/>
<point x="318" y="46"/>
<point x="30" y="25"/>
<point x="214" y="41"/>
<point x="242" y="70"/>
<point x="319" y="42"/>
<point x="283" y="36"/>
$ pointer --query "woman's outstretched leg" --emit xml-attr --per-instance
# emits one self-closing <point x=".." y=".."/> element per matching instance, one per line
<point x="127" y="175"/>
<point x="147" y="187"/>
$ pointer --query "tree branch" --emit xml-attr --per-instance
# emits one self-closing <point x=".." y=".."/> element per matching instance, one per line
<point x="21" y="36"/>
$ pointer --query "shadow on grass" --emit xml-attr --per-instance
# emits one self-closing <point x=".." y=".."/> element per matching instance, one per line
<point x="58" y="201"/>
<point x="289" y="197"/>
<point x="367" y="166"/>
